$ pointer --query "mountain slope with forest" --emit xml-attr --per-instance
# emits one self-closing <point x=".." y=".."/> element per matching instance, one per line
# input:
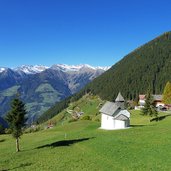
<point x="147" y="66"/>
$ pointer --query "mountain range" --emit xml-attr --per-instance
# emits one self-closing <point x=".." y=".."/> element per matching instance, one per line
<point x="40" y="87"/>
<point x="147" y="67"/>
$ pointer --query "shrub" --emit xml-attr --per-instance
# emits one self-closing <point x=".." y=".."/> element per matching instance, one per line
<point x="96" y="119"/>
<point x="87" y="117"/>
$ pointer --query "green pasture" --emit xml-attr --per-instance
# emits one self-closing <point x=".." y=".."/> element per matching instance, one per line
<point x="81" y="145"/>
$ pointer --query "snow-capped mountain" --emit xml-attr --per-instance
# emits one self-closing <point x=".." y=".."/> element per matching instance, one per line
<point x="2" y="69"/>
<point x="75" y="68"/>
<point x="41" y="87"/>
<point x="103" y="68"/>
<point x="33" y="69"/>
<point x="30" y="69"/>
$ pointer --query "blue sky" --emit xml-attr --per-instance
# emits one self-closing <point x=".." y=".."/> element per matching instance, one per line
<point x="95" y="32"/>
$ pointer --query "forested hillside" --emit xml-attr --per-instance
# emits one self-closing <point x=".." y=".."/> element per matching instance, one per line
<point x="147" y="66"/>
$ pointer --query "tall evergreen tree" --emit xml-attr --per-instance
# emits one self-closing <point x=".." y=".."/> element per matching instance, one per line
<point x="16" y="119"/>
<point x="149" y="107"/>
<point x="167" y="93"/>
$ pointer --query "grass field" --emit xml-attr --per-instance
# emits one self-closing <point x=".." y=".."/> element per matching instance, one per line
<point x="88" y="104"/>
<point x="82" y="146"/>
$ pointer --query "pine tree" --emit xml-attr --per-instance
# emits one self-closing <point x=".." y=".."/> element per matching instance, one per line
<point x="16" y="119"/>
<point x="149" y="107"/>
<point x="167" y="93"/>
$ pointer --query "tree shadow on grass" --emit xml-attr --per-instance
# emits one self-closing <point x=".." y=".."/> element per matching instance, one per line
<point x="2" y="140"/>
<point x="64" y="143"/>
<point x="137" y="126"/>
<point x="159" y="118"/>
<point x="134" y="126"/>
<point x="20" y="166"/>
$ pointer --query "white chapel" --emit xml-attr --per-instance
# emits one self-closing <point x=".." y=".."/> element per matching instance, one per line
<point x="114" y="115"/>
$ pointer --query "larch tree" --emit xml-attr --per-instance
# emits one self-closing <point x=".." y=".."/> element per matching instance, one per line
<point x="167" y="93"/>
<point x="16" y="119"/>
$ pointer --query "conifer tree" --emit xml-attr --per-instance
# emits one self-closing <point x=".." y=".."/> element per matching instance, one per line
<point x="149" y="107"/>
<point x="16" y="119"/>
<point x="167" y="93"/>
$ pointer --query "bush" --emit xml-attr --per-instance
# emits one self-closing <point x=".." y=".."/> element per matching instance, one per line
<point x="96" y="119"/>
<point x="87" y="117"/>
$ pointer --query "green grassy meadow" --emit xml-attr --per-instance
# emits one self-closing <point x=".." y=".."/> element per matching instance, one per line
<point x="82" y="146"/>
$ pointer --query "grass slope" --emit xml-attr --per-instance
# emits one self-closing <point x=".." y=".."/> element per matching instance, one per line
<point x="88" y="104"/>
<point x="82" y="146"/>
<point x="10" y="91"/>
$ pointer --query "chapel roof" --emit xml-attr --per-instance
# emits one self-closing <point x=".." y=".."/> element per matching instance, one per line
<point x="109" y="108"/>
<point x="119" y="98"/>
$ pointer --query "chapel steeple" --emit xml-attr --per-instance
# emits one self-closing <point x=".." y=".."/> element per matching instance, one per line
<point x="120" y="101"/>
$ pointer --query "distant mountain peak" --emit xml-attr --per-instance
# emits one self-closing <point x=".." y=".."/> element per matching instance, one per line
<point x="34" y="69"/>
<point x="41" y="86"/>
<point x="2" y="69"/>
<point x="31" y="69"/>
<point x="69" y="68"/>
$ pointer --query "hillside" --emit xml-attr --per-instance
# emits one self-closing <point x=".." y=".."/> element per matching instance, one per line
<point x="147" y="66"/>
<point x="86" y="108"/>
<point x="82" y="146"/>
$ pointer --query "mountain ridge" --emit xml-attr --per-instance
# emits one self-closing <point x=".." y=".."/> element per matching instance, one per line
<point x="41" y="87"/>
<point x="33" y="69"/>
